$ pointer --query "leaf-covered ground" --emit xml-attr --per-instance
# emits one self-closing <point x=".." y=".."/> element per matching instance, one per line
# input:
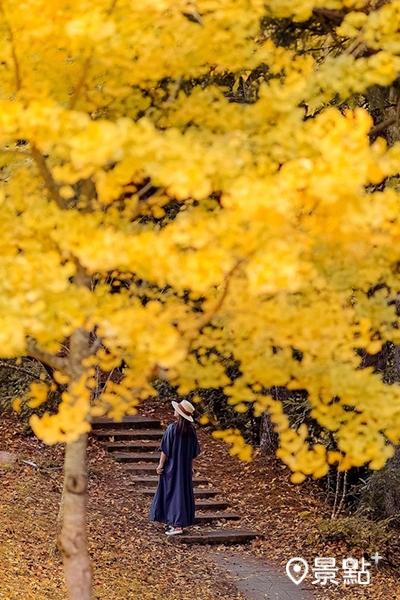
<point x="132" y="558"/>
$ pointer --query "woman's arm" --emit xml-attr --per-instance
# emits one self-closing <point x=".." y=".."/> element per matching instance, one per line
<point x="160" y="467"/>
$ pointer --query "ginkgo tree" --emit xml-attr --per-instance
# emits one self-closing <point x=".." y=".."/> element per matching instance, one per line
<point x="157" y="219"/>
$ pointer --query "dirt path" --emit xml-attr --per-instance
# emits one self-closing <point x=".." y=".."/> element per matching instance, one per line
<point x="256" y="580"/>
<point x="288" y="517"/>
<point x="132" y="558"/>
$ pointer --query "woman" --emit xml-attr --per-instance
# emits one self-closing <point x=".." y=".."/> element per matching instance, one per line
<point x="173" y="503"/>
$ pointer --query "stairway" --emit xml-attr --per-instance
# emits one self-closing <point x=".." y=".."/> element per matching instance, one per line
<point x="134" y="443"/>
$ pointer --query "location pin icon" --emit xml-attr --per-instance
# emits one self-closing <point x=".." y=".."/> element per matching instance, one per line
<point x="296" y="569"/>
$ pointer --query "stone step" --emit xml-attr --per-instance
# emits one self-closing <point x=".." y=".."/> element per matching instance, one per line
<point x="136" y="457"/>
<point x="226" y="536"/>
<point x="198" y="493"/>
<point x="135" y="422"/>
<point x="128" y="434"/>
<point x="142" y="446"/>
<point x="140" y="469"/>
<point x="218" y="516"/>
<point x="152" y="482"/>
<point x="212" y="505"/>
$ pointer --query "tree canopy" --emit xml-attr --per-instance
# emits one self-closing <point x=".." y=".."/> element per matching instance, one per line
<point x="188" y="185"/>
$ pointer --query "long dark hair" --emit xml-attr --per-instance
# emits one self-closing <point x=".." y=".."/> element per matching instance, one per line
<point x="184" y="427"/>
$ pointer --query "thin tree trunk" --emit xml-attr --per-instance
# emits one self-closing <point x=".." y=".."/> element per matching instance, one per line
<point x="73" y="540"/>
<point x="385" y="485"/>
<point x="268" y="438"/>
<point x="392" y="488"/>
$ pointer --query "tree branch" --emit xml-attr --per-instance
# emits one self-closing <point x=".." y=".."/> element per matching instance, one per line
<point x="88" y="191"/>
<point x="207" y="318"/>
<point x="356" y="49"/>
<point x="334" y="15"/>
<point x="382" y="126"/>
<point x="80" y="84"/>
<point x="20" y="369"/>
<point x="329" y="30"/>
<point x="48" y="178"/>
<point x="58" y="363"/>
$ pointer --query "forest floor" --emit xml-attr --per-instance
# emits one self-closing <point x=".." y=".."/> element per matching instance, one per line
<point x="132" y="559"/>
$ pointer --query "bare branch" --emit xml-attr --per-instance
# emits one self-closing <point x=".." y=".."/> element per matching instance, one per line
<point x="334" y="15"/>
<point x="329" y="30"/>
<point x="344" y="492"/>
<point x="338" y="477"/>
<point x="144" y="189"/>
<point x="382" y="126"/>
<point x="356" y="49"/>
<point x="6" y="365"/>
<point x="58" y="363"/>
<point x="211" y="314"/>
<point x="48" y="178"/>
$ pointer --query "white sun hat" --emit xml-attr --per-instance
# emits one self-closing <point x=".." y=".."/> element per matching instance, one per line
<point x="185" y="409"/>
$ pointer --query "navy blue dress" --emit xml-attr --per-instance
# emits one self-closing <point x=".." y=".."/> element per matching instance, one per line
<point x="173" y="503"/>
